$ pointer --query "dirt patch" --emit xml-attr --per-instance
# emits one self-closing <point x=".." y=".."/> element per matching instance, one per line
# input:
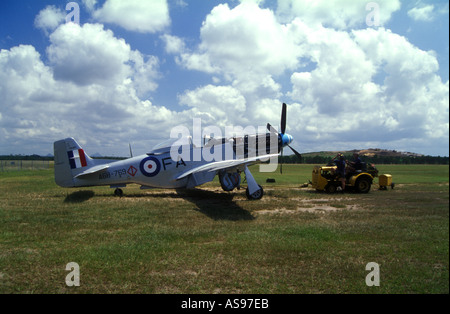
<point x="320" y="205"/>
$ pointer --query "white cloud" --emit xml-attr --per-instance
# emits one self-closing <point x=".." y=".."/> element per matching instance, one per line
<point x="424" y="14"/>
<point x="105" y="109"/>
<point x="26" y="81"/>
<point x="410" y="103"/>
<point x="144" y="73"/>
<point x="147" y="16"/>
<point x="89" y="54"/>
<point x="241" y="40"/>
<point x="364" y="86"/>
<point x="174" y="44"/>
<point x="49" y="19"/>
<point x="215" y="103"/>
<point x="89" y="4"/>
<point x="248" y="47"/>
<point x="341" y="80"/>
<point x="339" y="14"/>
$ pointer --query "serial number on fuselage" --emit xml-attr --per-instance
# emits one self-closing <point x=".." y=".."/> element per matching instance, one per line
<point x="112" y="174"/>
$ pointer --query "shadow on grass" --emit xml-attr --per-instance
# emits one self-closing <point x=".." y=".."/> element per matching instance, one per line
<point x="79" y="197"/>
<point x="216" y="205"/>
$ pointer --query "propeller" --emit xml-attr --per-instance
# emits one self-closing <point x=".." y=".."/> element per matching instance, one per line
<point x="299" y="156"/>
<point x="281" y="161"/>
<point x="281" y="134"/>
<point x="283" y="118"/>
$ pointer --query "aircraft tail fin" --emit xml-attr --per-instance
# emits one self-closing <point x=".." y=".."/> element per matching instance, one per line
<point x="70" y="160"/>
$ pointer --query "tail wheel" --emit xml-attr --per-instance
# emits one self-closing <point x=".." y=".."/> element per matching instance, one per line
<point x="255" y="196"/>
<point x="363" y="185"/>
<point x="118" y="192"/>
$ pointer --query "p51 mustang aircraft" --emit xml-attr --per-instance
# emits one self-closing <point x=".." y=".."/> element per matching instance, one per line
<point x="159" y="168"/>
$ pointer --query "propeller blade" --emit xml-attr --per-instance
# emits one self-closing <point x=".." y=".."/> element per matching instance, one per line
<point x="299" y="156"/>
<point x="281" y="162"/>
<point x="283" y="119"/>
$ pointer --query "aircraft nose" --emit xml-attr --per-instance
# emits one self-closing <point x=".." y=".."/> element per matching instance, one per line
<point x="287" y="139"/>
<point x="291" y="139"/>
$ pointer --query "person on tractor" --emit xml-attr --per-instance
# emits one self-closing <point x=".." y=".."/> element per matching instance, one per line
<point x="354" y="165"/>
<point x="339" y="161"/>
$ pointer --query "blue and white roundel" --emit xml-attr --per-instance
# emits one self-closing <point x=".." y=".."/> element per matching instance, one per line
<point x="150" y="166"/>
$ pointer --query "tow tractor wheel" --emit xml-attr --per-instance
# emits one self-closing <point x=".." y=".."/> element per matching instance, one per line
<point x="330" y="188"/>
<point x="363" y="185"/>
<point x="255" y="196"/>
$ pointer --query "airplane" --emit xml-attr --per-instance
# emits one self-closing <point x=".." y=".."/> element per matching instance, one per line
<point x="160" y="169"/>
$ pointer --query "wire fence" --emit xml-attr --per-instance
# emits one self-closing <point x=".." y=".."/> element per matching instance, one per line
<point x="18" y="165"/>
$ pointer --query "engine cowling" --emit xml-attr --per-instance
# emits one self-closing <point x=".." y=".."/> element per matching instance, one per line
<point x="229" y="180"/>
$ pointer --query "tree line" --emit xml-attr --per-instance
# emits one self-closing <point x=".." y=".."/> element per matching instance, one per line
<point x="376" y="159"/>
<point x="25" y="157"/>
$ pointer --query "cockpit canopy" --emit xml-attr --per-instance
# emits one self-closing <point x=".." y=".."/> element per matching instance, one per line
<point x="207" y="141"/>
<point x="165" y="146"/>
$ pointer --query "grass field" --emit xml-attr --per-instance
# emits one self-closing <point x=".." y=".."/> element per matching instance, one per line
<point x="295" y="240"/>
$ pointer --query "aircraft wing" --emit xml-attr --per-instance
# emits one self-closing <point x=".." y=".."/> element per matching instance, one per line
<point x="92" y="170"/>
<point x="225" y="164"/>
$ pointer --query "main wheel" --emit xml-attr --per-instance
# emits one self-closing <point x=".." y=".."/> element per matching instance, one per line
<point x="363" y="185"/>
<point x="118" y="192"/>
<point x="255" y="196"/>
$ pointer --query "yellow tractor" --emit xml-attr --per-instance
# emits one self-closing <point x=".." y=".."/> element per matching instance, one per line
<point x="324" y="178"/>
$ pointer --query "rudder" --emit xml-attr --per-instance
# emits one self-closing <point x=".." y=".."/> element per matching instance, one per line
<point x="70" y="160"/>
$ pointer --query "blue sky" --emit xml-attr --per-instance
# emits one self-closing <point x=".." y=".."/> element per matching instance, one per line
<point x="130" y="71"/>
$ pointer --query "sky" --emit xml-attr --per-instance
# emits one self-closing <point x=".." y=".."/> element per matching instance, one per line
<point x="355" y="74"/>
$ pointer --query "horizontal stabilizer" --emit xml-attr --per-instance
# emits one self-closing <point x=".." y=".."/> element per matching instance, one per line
<point x="146" y="187"/>
<point x="92" y="170"/>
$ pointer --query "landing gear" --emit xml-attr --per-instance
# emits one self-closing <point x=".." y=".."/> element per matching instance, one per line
<point x="255" y="196"/>
<point x="118" y="192"/>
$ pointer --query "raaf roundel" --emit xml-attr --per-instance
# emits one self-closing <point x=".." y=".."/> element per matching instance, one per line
<point x="150" y="166"/>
